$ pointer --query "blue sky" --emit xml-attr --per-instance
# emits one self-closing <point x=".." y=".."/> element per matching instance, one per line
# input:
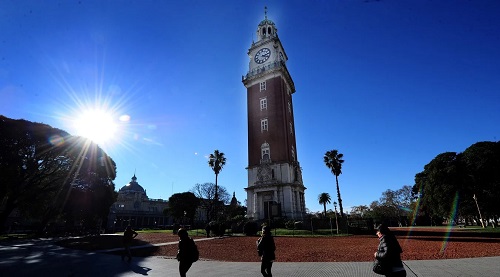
<point x="388" y="83"/>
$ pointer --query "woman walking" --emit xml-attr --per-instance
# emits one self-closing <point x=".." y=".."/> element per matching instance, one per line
<point x="185" y="252"/>
<point x="388" y="254"/>
<point x="266" y="248"/>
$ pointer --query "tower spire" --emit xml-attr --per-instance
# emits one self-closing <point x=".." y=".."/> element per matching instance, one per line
<point x="265" y="11"/>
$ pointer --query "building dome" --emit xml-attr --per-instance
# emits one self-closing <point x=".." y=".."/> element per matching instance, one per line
<point x="132" y="187"/>
<point x="266" y="22"/>
<point x="266" y="29"/>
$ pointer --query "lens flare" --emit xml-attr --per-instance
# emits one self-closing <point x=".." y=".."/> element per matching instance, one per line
<point x="414" y="215"/>
<point x="56" y="140"/>
<point x="451" y="219"/>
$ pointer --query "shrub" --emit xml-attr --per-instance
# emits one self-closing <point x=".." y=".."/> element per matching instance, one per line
<point x="237" y="225"/>
<point x="298" y="225"/>
<point x="251" y="228"/>
<point x="279" y="223"/>
<point x="217" y="228"/>
<point x="290" y="224"/>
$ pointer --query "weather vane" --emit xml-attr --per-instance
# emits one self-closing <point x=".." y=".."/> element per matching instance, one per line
<point x="265" y="11"/>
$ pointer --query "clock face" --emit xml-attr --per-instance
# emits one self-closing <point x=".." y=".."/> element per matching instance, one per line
<point x="262" y="55"/>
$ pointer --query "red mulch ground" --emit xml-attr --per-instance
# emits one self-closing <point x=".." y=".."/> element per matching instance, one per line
<point x="424" y="244"/>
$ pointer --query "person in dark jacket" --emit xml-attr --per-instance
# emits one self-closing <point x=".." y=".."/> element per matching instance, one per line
<point x="128" y="237"/>
<point x="265" y="249"/>
<point x="389" y="253"/>
<point x="184" y="254"/>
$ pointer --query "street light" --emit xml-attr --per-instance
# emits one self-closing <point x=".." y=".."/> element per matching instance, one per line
<point x="480" y="216"/>
<point x="336" y="220"/>
<point x="475" y="199"/>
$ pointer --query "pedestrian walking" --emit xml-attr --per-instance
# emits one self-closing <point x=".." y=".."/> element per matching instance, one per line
<point x="266" y="249"/>
<point x="128" y="237"/>
<point x="187" y="252"/>
<point x="388" y="256"/>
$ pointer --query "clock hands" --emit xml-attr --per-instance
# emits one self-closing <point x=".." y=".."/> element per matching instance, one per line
<point x="262" y="55"/>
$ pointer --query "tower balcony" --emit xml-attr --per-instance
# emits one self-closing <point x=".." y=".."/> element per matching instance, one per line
<point x="266" y="69"/>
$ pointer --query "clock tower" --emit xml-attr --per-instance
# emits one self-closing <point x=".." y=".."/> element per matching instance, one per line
<point x="275" y="187"/>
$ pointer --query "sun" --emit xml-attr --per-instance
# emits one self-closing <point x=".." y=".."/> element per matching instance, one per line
<point x="97" y="125"/>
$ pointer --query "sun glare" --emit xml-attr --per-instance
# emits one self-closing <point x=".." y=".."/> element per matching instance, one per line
<point x="98" y="114"/>
<point x="96" y="125"/>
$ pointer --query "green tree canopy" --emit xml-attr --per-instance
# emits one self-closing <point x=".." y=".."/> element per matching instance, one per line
<point x="179" y="203"/>
<point x="323" y="199"/>
<point x="482" y="161"/>
<point x="450" y="181"/>
<point x="43" y="167"/>
<point x="438" y="184"/>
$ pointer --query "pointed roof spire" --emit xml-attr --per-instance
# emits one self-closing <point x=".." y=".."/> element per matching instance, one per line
<point x="266" y="22"/>
<point x="234" y="201"/>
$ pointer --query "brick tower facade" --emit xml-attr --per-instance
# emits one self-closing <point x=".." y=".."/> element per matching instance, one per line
<point x="275" y="187"/>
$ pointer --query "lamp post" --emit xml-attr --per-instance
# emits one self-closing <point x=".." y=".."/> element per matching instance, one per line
<point x="480" y="216"/>
<point x="336" y="220"/>
<point x="269" y="213"/>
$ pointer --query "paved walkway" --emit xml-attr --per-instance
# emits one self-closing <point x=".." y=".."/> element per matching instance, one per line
<point x="43" y="258"/>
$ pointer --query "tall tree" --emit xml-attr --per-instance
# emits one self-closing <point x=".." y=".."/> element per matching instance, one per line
<point x="206" y="193"/>
<point x="216" y="161"/>
<point x="482" y="160"/>
<point x="467" y="182"/>
<point x="394" y="205"/>
<point x="324" y="198"/>
<point x="183" y="205"/>
<point x="40" y="165"/>
<point x="333" y="160"/>
<point x="441" y="182"/>
<point x="360" y="211"/>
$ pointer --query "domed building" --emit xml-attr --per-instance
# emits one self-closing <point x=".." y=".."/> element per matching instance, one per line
<point x="133" y="207"/>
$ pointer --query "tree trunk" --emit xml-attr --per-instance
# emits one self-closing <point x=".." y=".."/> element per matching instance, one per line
<point x="4" y="214"/>
<point x="216" y="189"/>
<point x="215" y="205"/>
<point x="340" y="198"/>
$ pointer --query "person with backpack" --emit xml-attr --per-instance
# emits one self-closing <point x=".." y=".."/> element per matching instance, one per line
<point x="187" y="253"/>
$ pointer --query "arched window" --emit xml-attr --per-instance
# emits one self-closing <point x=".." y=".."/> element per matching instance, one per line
<point x="265" y="152"/>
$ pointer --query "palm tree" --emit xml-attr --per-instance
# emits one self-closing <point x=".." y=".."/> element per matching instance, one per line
<point x="216" y="161"/>
<point x="333" y="160"/>
<point x="324" y="198"/>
